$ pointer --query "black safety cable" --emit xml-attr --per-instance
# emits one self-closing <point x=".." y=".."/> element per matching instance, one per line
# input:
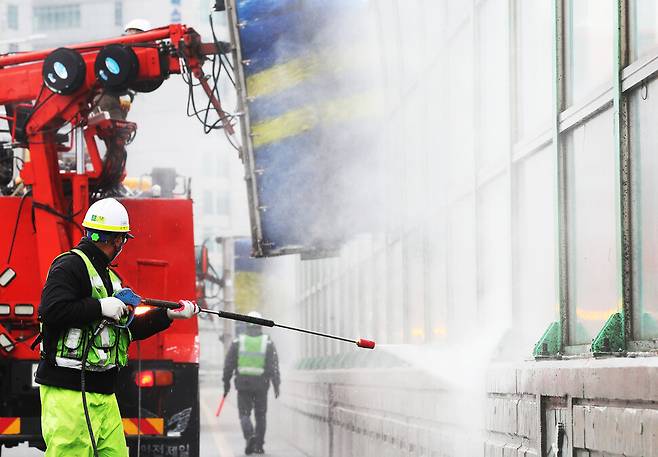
<point x="18" y="217"/>
<point x="139" y="398"/>
<point x="85" y="354"/>
<point x="83" y="386"/>
<point x="70" y="217"/>
<point x="221" y="61"/>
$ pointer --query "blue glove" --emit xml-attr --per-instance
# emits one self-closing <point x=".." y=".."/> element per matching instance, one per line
<point x="127" y="296"/>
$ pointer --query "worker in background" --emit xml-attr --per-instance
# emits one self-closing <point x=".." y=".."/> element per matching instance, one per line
<point x="117" y="104"/>
<point x="76" y="298"/>
<point x="253" y="359"/>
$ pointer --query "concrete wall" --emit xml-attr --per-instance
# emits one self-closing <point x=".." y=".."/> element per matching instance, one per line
<point x="609" y="408"/>
<point x="378" y="413"/>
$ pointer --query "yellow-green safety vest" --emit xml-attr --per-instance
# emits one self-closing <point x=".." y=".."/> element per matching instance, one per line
<point x="109" y="348"/>
<point x="251" y="355"/>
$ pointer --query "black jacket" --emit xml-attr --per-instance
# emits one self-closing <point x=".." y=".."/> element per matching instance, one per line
<point x="66" y="302"/>
<point x="252" y="382"/>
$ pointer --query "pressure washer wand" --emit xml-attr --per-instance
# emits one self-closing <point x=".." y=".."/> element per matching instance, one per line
<point x="361" y="342"/>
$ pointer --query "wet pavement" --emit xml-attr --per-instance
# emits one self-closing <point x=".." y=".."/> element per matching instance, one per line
<point x="220" y="436"/>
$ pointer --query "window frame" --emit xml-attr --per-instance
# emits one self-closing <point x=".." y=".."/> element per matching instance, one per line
<point x="627" y="76"/>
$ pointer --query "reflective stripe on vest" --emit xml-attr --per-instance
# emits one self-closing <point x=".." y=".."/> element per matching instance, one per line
<point x="251" y="355"/>
<point x="109" y="348"/>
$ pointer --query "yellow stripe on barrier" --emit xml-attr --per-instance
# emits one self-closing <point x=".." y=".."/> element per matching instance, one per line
<point x="300" y="120"/>
<point x="281" y="77"/>
<point x="289" y="124"/>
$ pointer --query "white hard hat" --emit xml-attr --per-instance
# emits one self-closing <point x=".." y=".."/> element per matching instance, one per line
<point x="138" y="24"/>
<point x="255" y="314"/>
<point x="107" y="215"/>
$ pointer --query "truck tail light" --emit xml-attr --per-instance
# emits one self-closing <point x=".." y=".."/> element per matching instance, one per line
<point x="151" y="378"/>
<point x="164" y="377"/>
<point x="23" y="310"/>
<point x="144" y="378"/>
<point x="5" y="309"/>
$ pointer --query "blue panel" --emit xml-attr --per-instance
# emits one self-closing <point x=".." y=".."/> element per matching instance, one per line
<point x="243" y="259"/>
<point x="306" y="168"/>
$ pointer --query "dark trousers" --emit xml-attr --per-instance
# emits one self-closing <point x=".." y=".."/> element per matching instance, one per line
<point x="256" y="400"/>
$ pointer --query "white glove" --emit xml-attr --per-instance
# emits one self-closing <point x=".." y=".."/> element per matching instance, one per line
<point x="186" y="310"/>
<point x="113" y="308"/>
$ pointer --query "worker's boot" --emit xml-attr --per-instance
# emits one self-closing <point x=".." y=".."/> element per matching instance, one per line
<point x="259" y="450"/>
<point x="251" y="445"/>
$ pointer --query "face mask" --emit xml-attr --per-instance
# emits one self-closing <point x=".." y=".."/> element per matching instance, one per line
<point x="118" y="251"/>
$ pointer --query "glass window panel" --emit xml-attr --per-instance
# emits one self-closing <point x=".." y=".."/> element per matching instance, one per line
<point x="379" y="292"/>
<point x="414" y="285"/>
<point x="56" y="17"/>
<point x="223" y="203"/>
<point x="459" y="128"/>
<point x="12" y="17"/>
<point x="437" y="277"/>
<point x="594" y="290"/>
<point x="644" y="144"/>
<point x="589" y="48"/>
<point x="390" y="52"/>
<point x="461" y="270"/>
<point x="534" y="46"/>
<point x="457" y="12"/>
<point x="207" y="202"/>
<point x="368" y="306"/>
<point x="334" y="309"/>
<point x="344" y="304"/>
<point x="324" y="320"/>
<point x="535" y="273"/>
<point x="352" y="301"/>
<point x="494" y="304"/>
<point x="643" y="20"/>
<point x="118" y="13"/>
<point x="395" y="293"/>
<point x="412" y="44"/>
<point x="414" y="164"/>
<point x="493" y="81"/>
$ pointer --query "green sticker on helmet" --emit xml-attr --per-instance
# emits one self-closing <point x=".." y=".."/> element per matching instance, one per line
<point x="95" y="237"/>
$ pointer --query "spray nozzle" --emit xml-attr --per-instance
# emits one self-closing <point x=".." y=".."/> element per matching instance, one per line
<point x="367" y="344"/>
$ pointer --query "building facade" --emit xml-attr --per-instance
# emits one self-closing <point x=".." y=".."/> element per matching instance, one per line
<point x="521" y="171"/>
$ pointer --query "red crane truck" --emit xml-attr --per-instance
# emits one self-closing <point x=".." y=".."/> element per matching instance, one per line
<point x="51" y="103"/>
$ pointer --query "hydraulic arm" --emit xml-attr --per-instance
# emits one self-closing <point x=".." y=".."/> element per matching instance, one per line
<point x="44" y="91"/>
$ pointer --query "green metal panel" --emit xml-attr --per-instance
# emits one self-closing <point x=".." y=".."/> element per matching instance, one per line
<point x="550" y="344"/>
<point x="610" y="339"/>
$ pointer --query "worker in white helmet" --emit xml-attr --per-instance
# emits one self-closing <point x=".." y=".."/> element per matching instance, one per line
<point x="117" y="104"/>
<point x="76" y="299"/>
<point x="137" y="26"/>
<point x="253" y="359"/>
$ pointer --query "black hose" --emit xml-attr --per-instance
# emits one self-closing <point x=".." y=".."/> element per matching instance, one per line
<point x="85" y="354"/>
<point x="139" y="400"/>
<point x="18" y="216"/>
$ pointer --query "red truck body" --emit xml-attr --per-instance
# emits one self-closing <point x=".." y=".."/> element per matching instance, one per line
<point x="158" y="391"/>
<point x="158" y="263"/>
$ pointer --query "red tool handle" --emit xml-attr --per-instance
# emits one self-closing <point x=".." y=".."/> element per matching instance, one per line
<point x="221" y="406"/>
